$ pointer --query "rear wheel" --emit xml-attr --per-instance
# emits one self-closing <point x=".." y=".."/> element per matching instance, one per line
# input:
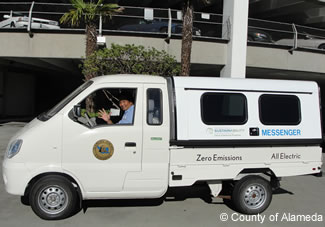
<point x="252" y="195"/>
<point x="53" y="198"/>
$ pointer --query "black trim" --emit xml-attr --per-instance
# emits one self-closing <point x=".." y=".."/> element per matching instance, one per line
<point x="130" y="144"/>
<point x="238" y="90"/>
<point x="245" y="143"/>
<point x="321" y="114"/>
<point x="320" y="174"/>
<point x="161" y="107"/>
<point x="174" y="104"/>
<point x="177" y="177"/>
<point x="226" y="122"/>
<point x="260" y="101"/>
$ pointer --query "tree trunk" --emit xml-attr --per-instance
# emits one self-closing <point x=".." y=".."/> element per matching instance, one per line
<point x="91" y="47"/>
<point x="91" y="43"/>
<point x="90" y="105"/>
<point x="187" y="37"/>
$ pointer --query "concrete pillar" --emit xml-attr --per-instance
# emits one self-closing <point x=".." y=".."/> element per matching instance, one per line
<point x="1" y="92"/>
<point x="235" y="22"/>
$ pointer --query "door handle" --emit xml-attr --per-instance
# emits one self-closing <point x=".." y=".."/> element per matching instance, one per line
<point x="130" y="144"/>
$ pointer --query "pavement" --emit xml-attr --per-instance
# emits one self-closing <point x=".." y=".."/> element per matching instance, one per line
<point x="299" y="202"/>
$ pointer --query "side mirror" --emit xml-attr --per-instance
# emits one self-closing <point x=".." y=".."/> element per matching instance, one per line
<point x="6" y="16"/>
<point x="77" y="110"/>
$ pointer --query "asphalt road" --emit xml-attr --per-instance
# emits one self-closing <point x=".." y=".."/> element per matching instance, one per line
<point x="299" y="202"/>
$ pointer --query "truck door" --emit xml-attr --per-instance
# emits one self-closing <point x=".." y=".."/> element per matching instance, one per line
<point x="100" y="155"/>
<point x="152" y="181"/>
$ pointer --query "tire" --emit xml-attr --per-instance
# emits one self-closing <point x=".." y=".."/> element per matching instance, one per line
<point x="252" y="195"/>
<point x="53" y="198"/>
<point x="12" y="25"/>
<point x="322" y="46"/>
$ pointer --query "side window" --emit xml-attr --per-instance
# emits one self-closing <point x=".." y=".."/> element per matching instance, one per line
<point x="154" y="106"/>
<point x="279" y="109"/>
<point x="223" y="108"/>
<point x="117" y="104"/>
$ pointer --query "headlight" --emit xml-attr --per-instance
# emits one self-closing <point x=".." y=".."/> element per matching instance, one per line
<point x="14" y="148"/>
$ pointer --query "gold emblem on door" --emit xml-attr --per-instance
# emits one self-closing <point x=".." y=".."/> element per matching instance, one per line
<point x="103" y="149"/>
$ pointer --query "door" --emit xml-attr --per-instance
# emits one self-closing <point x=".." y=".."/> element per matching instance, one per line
<point x="101" y="155"/>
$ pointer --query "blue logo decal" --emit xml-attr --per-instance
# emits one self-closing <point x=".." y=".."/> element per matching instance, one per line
<point x="281" y="132"/>
<point x="104" y="150"/>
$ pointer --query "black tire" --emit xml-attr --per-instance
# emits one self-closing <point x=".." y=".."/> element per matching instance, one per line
<point x="252" y="195"/>
<point x="53" y="198"/>
<point x="322" y="46"/>
<point x="12" y="25"/>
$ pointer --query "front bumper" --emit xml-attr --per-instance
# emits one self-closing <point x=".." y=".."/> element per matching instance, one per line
<point x="15" y="177"/>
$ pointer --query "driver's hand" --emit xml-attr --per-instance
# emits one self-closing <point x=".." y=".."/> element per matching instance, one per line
<point x="103" y="115"/>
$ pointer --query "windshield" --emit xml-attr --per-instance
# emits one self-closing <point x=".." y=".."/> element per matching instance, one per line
<point x="47" y="115"/>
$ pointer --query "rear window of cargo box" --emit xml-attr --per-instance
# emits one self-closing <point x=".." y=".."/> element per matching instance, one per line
<point x="223" y="108"/>
<point x="279" y="109"/>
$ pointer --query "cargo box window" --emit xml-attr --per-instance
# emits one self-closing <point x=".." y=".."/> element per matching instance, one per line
<point x="154" y="106"/>
<point x="223" y="109"/>
<point x="279" y="110"/>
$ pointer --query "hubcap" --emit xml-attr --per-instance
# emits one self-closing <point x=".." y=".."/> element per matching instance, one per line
<point x="255" y="196"/>
<point x="53" y="199"/>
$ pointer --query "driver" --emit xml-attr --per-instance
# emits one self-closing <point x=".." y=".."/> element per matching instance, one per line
<point x="126" y="105"/>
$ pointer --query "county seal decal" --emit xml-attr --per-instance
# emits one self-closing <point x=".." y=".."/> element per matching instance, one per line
<point x="103" y="149"/>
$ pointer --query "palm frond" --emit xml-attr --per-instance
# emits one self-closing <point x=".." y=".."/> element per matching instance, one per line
<point x="78" y="4"/>
<point x="89" y="12"/>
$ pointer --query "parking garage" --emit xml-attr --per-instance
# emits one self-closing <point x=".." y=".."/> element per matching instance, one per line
<point x="39" y="67"/>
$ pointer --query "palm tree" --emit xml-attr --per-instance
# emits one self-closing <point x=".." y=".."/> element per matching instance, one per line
<point x="89" y="13"/>
<point x="187" y="37"/>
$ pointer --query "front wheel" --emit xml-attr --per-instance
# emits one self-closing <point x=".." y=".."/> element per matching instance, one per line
<point x="252" y="195"/>
<point x="53" y="198"/>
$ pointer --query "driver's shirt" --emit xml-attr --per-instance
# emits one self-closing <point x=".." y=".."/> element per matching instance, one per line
<point x="127" y="116"/>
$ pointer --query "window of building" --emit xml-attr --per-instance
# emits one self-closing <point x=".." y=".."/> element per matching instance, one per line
<point x="279" y="110"/>
<point x="223" y="108"/>
<point x="154" y="106"/>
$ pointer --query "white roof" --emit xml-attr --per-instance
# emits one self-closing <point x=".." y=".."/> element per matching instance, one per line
<point x="130" y="78"/>
<point x="245" y="84"/>
<point x="216" y="83"/>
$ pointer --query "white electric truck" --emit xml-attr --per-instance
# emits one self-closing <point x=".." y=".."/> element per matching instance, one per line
<point x="239" y="134"/>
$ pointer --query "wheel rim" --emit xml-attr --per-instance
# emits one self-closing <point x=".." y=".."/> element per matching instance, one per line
<point x="255" y="196"/>
<point x="53" y="199"/>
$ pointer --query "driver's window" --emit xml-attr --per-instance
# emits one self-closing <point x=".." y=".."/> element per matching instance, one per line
<point x="107" y="106"/>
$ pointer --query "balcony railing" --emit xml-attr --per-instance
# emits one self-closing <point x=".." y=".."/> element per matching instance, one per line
<point x="166" y="23"/>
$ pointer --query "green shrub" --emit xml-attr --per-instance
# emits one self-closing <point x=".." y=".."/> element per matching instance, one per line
<point x="130" y="59"/>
